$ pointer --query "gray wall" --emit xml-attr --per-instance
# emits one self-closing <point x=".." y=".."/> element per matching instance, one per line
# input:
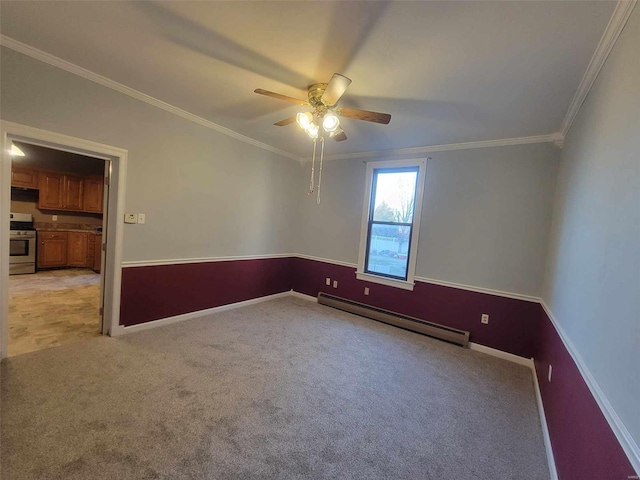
<point x="485" y="218"/>
<point x="203" y="193"/>
<point x="593" y="274"/>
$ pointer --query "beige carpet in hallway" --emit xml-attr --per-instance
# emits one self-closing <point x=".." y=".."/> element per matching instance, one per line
<point x="49" y="308"/>
<point x="286" y="389"/>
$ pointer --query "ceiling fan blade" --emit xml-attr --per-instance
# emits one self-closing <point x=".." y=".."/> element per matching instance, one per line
<point x="335" y="89"/>
<point x="286" y="121"/>
<point x="365" y="115"/>
<point x="281" y="97"/>
<point x="340" y="137"/>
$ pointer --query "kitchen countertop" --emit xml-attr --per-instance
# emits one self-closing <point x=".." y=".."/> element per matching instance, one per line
<point x="68" y="227"/>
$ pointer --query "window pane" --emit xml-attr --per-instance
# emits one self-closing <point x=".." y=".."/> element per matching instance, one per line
<point x="388" y="250"/>
<point x="395" y="193"/>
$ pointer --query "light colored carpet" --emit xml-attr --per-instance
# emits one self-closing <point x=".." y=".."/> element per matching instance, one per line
<point x="285" y="389"/>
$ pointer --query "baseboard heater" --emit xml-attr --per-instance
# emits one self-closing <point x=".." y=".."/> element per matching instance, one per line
<point x="448" y="334"/>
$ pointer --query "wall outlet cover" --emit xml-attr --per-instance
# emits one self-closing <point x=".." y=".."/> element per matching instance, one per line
<point x="141" y="218"/>
<point x="327" y="281"/>
<point x="130" y="218"/>
<point x="335" y="284"/>
<point x="485" y="318"/>
<point x="366" y="290"/>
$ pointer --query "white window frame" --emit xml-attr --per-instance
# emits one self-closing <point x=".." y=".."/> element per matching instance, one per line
<point x="409" y="283"/>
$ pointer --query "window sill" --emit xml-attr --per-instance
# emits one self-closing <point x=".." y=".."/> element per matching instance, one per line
<point x="391" y="282"/>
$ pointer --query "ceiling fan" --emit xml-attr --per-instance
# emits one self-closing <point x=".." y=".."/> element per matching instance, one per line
<point x="323" y="99"/>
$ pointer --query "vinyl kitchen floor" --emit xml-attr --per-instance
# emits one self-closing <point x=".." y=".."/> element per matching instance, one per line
<point x="49" y="308"/>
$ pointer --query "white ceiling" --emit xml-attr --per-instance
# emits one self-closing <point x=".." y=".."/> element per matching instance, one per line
<point x="447" y="72"/>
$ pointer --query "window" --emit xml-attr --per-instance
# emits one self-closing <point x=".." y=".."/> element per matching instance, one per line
<point x="391" y="222"/>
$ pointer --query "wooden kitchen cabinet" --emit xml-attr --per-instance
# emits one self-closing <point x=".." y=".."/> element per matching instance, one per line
<point x="52" y="249"/>
<point x="24" y="177"/>
<point x="73" y="193"/>
<point x="97" y="252"/>
<point x="60" y="192"/>
<point x="78" y="249"/>
<point x="93" y="194"/>
<point x="51" y="190"/>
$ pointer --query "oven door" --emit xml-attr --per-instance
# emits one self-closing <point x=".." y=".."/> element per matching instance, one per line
<point x="22" y="249"/>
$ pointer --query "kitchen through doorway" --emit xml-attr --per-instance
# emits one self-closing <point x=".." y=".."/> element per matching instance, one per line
<point x="58" y="215"/>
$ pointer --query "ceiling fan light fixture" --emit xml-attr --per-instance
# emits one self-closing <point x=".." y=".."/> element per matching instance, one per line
<point x="330" y="123"/>
<point x="335" y="132"/>
<point x="304" y="119"/>
<point x="312" y="130"/>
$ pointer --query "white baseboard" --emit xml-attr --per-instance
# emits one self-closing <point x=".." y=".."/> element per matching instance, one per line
<point x="199" y="313"/>
<point x="303" y="296"/>
<point x="500" y="354"/>
<point x="628" y="444"/>
<point x="527" y="362"/>
<point x="553" y="472"/>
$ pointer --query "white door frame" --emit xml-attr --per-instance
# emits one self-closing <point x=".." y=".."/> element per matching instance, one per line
<point x="117" y="158"/>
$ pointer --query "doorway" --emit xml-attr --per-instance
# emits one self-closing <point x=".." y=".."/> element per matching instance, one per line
<point x="59" y="204"/>
<point x="72" y="236"/>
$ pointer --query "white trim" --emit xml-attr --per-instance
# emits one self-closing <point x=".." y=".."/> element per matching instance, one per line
<point x="503" y="142"/>
<point x="494" y="352"/>
<point x="198" y="313"/>
<point x="433" y="281"/>
<point x="527" y="362"/>
<point x="407" y="284"/>
<point x="389" y="282"/>
<point x="325" y="260"/>
<point x="106" y="82"/>
<point x="114" y="233"/>
<point x="179" y="261"/>
<point x="471" y="288"/>
<point x="625" y="439"/>
<point x="553" y="472"/>
<point x="607" y="41"/>
<point x="303" y="296"/>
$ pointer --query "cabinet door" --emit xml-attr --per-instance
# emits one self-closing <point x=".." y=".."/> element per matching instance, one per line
<point x="97" y="253"/>
<point x="78" y="249"/>
<point x="93" y="193"/>
<point x="51" y="191"/>
<point x="24" y="177"/>
<point x="73" y="193"/>
<point x="52" y="250"/>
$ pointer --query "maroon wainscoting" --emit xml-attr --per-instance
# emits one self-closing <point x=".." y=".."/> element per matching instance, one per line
<point x="584" y="446"/>
<point x="513" y="324"/>
<point x="151" y="293"/>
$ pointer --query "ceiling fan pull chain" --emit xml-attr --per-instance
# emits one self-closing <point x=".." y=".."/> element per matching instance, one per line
<point x="313" y="161"/>
<point x="320" y="172"/>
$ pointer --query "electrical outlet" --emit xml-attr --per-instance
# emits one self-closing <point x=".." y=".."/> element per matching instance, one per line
<point x="141" y="218"/>
<point x="327" y="281"/>
<point x="130" y="218"/>
<point x="484" y="319"/>
<point x="54" y="218"/>
<point x="366" y="290"/>
<point x="335" y="284"/>
<point x="550" y="370"/>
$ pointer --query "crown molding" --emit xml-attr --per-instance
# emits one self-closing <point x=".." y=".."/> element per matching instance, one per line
<point x="106" y="82"/>
<point x="550" y="138"/>
<point x="607" y="41"/>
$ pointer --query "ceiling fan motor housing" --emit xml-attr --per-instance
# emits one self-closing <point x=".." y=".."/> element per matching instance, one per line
<point x="315" y="94"/>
